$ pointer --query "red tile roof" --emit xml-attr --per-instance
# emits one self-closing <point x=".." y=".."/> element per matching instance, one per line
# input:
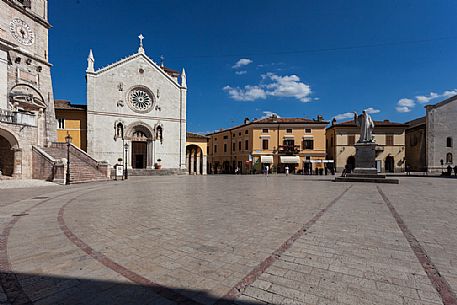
<point x="63" y="104"/>
<point x="385" y="123"/>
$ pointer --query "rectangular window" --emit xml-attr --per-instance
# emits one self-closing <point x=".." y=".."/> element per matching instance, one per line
<point x="234" y="146"/>
<point x="246" y="132"/>
<point x="351" y="139"/>
<point x="246" y="145"/>
<point x="215" y="148"/>
<point x="225" y="147"/>
<point x="265" y="130"/>
<point x="239" y="146"/>
<point x="265" y="144"/>
<point x="61" y="123"/>
<point x="389" y="140"/>
<point x="308" y="144"/>
<point x="289" y="130"/>
<point x="225" y="137"/>
<point x="308" y="130"/>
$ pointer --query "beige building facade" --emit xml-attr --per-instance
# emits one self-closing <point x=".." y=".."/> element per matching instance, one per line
<point x="389" y="137"/>
<point x="279" y="143"/>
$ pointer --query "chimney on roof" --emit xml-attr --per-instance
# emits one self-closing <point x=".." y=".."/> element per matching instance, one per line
<point x="320" y="118"/>
<point x="247" y="121"/>
<point x="334" y="121"/>
<point x="274" y="116"/>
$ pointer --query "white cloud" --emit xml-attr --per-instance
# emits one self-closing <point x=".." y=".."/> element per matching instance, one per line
<point x="269" y="114"/>
<point x="449" y="93"/>
<point x="403" y="109"/>
<point x="272" y="85"/>
<point x="242" y="62"/>
<point x="427" y="98"/>
<point x="342" y="116"/>
<point x="406" y="102"/>
<point x="241" y="72"/>
<point x="288" y="86"/>
<point x="405" y="105"/>
<point x="248" y="93"/>
<point x="372" y="110"/>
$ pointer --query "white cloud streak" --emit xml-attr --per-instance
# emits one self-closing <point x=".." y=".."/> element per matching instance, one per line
<point x="343" y="116"/>
<point x="406" y="105"/>
<point x="248" y="93"/>
<point x="372" y="110"/>
<point x="242" y="72"/>
<point x="242" y="62"/>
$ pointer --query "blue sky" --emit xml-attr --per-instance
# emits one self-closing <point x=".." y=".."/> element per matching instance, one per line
<point x="295" y="58"/>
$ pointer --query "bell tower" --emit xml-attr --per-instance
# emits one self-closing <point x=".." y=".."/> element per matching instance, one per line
<point x="24" y="63"/>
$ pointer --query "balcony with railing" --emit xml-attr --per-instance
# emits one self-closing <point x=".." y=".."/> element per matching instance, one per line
<point x="18" y="118"/>
<point x="289" y="150"/>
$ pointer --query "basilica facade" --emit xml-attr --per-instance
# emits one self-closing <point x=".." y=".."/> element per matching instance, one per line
<point x="136" y="111"/>
<point x="26" y="94"/>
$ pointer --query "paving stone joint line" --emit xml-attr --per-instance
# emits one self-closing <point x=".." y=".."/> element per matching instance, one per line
<point x="439" y="282"/>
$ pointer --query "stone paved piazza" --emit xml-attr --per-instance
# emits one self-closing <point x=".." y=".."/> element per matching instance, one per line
<point x="230" y="239"/>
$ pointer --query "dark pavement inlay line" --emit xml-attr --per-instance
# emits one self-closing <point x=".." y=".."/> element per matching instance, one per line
<point x="165" y="292"/>
<point x="252" y="276"/>
<point x="439" y="283"/>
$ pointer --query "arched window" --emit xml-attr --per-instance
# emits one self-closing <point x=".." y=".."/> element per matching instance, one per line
<point x="449" y="158"/>
<point x="449" y="142"/>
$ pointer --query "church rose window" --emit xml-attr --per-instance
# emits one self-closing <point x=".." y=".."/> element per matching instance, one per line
<point x="140" y="99"/>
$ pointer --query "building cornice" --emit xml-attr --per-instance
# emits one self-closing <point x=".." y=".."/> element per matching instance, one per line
<point x="29" y="14"/>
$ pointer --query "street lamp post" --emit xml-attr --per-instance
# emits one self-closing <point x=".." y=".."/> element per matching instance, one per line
<point x="67" y="176"/>
<point x="126" y="173"/>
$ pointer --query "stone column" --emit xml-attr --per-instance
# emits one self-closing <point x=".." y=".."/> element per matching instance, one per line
<point x="204" y="169"/>
<point x="17" y="169"/>
<point x="150" y="156"/>
<point x="198" y="156"/>
<point x="192" y="162"/>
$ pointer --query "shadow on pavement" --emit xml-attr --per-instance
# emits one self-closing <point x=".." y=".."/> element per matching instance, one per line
<point x="19" y="289"/>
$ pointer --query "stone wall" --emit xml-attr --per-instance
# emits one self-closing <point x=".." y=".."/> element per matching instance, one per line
<point x="441" y="124"/>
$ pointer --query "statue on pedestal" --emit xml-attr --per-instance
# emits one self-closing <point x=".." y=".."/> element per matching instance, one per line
<point x="366" y="124"/>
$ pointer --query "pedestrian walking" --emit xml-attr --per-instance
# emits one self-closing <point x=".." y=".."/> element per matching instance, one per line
<point x="455" y="170"/>
<point x="267" y="169"/>
<point x="287" y="170"/>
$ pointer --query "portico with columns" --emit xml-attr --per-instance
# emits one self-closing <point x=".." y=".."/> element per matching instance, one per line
<point x="196" y="153"/>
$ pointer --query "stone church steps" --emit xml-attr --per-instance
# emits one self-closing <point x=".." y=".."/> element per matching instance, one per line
<point x="82" y="169"/>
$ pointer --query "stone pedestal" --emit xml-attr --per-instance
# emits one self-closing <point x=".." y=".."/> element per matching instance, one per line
<point x="365" y="159"/>
<point x="365" y="166"/>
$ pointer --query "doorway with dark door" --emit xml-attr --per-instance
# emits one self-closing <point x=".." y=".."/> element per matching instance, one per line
<point x="139" y="154"/>
<point x="389" y="164"/>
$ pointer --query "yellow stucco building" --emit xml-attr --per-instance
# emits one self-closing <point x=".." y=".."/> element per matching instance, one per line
<point x="71" y="119"/>
<point x="389" y="137"/>
<point x="196" y="153"/>
<point x="279" y="143"/>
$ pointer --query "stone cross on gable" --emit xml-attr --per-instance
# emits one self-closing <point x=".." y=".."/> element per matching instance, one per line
<point x="141" y="49"/>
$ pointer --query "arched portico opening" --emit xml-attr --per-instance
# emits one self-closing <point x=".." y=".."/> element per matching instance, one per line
<point x="194" y="160"/>
<point x="10" y="155"/>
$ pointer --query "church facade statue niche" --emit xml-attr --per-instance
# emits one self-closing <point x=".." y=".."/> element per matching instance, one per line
<point x="119" y="130"/>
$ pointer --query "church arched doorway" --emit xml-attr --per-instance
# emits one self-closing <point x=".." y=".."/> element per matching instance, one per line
<point x="8" y="149"/>
<point x="389" y="164"/>
<point x="141" y="142"/>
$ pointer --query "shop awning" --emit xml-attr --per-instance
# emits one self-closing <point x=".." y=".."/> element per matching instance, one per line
<point x="266" y="159"/>
<point x="290" y="159"/>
